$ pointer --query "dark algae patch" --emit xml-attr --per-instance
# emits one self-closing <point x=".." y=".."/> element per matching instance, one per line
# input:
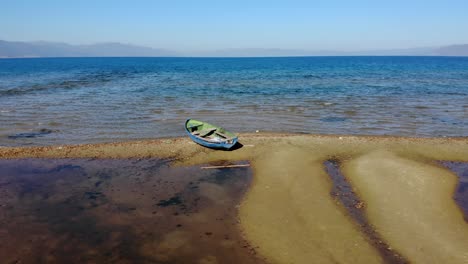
<point x="333" y="119"/>
<point x="343" y="191"/>
<point x="40" y="133"/>
<point x="120" y="211"/>
<point x="171" y="201"/>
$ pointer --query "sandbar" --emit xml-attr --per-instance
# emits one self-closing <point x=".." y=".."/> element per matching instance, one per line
<point x="289" y="215"/>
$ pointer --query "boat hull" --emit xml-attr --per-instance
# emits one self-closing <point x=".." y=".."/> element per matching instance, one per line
<point x="225" y="144"/>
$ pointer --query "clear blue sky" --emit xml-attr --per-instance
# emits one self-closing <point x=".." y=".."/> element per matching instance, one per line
<point x="208" y="25"/>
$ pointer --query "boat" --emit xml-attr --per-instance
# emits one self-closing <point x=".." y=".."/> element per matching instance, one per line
<point x="209" y="135"/>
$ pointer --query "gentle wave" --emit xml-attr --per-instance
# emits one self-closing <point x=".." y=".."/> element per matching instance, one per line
<point x="108" y="99"/>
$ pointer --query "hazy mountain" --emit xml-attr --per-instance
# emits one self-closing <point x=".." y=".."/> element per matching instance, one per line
<point x="292" y="52"/>
<point x="10" y="49"/>
<point x="252" y="52"/>
<point x="453" y="50"/>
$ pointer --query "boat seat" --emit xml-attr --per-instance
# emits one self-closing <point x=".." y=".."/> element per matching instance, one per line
<point x="223" y="135"/>
<point x="194" y="126"/>
<point x="204" y="132"/>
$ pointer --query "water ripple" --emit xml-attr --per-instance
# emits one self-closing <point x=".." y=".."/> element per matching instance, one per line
<point x="108" y="99"/>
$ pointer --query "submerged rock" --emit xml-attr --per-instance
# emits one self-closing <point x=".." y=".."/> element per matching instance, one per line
<point x="34" y="134"/>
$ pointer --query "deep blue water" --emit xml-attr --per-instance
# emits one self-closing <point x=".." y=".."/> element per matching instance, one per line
<point x="85" y="100"/>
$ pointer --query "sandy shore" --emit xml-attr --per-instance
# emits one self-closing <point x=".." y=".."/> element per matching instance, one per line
<point x="185" y="151"/>
<point x="407" y="196"/>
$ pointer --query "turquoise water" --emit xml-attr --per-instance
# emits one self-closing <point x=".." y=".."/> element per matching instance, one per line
<point x="87" y="100"/>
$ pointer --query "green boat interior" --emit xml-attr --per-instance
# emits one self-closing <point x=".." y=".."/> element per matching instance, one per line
<point x="208" y="132"/>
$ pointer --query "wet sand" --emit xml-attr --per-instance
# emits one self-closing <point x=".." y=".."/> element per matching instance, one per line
<point x="355" y="207"/>
<point x="290" y="214"/>
<point x="289" y="209"/>
<point x="410" y="204"/>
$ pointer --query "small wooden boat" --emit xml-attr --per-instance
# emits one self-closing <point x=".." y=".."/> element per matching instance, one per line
<point x="209" y="135"/>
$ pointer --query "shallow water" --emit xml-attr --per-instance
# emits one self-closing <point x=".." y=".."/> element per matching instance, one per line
<point x="87" y="100"/>
<point x="461" y="194"/>
<point x="125" y="211"/>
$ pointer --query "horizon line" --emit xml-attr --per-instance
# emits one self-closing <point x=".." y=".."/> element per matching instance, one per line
<point x="227" y="57"/>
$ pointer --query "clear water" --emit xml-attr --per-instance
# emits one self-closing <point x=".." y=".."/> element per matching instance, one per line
<point x="120" y="211"/>
<point x="86" y="100"/>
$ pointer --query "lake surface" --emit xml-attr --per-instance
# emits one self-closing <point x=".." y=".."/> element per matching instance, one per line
<point x="87" y="100"/>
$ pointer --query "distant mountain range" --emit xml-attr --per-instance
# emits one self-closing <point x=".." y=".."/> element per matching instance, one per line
<point x="10" y="49"/>
<point x="14" y="49"/>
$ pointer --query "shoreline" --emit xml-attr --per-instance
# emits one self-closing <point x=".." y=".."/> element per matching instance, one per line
<point x="173" y="147"/>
